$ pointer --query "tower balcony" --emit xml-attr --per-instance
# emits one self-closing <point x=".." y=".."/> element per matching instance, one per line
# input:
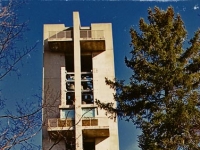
<point x="59" y="128"/>
<point x="91" y="127"/>
<point x="61" y="41"/>
<point x="90" y="40"/>
<point x="56" y="124"/>
<point x="95" y="127"/>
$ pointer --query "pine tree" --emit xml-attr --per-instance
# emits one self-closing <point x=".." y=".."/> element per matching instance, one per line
<point x="162" y="97"/>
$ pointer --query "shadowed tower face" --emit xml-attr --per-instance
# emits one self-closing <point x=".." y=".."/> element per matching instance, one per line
<point x="76" y="61"/>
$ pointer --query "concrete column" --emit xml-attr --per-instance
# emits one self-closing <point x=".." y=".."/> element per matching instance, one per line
<point x="77" y="71"/>
<point x="63" y="86"/>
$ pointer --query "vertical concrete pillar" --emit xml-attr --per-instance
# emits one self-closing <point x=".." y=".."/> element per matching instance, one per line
<point x="77" y="72"/>
<point x="63" y="86"/>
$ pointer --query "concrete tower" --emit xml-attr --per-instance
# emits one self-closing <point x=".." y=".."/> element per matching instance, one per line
<point x="76" y="61"/>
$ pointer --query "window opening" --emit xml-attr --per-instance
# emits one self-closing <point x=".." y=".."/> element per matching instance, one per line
<point x="86" y="79"/>
<point x="70" y="88"/>
<point x="88" y="112"/>
<point x="67" y="113"/>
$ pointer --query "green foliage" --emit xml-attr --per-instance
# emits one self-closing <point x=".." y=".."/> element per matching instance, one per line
<point x="162" y="98"/>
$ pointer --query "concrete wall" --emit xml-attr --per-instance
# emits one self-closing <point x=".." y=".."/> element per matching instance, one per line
<point x="103" y="144"/>
<point x="52" y="63"/>
<point x="103" y="67"/>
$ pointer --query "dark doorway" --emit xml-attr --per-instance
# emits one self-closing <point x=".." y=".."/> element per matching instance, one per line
<point x="69" y="62"/>
<point x="88" y="145"/>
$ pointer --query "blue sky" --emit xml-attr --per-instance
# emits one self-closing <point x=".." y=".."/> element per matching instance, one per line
<point x="122" y="15"/>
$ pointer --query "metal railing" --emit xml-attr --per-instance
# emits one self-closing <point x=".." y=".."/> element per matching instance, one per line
<point x="96" y="121"/>
<point x="92" y="34"/>
<point x="60" y="34"/>
<point x="57" y="122"/>
<point x="84" y="34"/>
